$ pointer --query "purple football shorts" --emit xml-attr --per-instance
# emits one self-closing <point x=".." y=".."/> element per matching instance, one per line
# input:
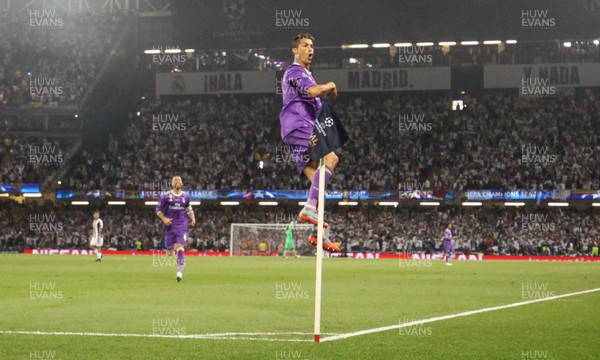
<point x="448" y="247"/>
<point x="296" y="145"/>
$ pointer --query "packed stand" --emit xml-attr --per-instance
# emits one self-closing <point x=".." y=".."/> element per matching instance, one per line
<point x="370" y="229"/>
<point x="210" y="143"/>
<point x="50" y="59"/>
<point x="398" y="142"/>
<point x="229" y="143"/>
<point x="510" y="142"/>
<point x="33" y="160"/>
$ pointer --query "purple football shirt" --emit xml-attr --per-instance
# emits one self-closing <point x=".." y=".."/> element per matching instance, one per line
<point x="447" y="234"/>
<point x="299" y="109"/>
<point x="176" y="208"/>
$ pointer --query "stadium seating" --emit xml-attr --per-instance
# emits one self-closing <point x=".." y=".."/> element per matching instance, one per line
<point x="234" y="143"/>
<point x="69" y="55"/>
<point x="366" y="229"/>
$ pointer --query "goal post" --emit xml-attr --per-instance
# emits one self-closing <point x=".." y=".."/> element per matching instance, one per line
<point x="248" y="239"/>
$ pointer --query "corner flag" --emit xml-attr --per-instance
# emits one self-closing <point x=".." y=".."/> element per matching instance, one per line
<point x="328" y="134"/>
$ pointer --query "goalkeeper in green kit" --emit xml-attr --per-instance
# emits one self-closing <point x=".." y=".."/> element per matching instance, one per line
<point x="289" y="241"/>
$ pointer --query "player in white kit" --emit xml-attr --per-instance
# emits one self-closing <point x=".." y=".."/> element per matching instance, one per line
<point x="96" y="240"/>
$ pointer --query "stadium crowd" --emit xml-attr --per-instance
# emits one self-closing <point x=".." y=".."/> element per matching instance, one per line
<point x="511" y="142"/>
<point x="50" y="59"/>
<point x="33" y="160"/>
<point x="498" y="141"/>
<point x="367" y="229"/>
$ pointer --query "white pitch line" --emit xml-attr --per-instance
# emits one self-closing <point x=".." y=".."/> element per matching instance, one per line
<point x="222" y="336"/>
<point x="452" y="316"/>
<point x="244" y="336"/>
<point x="263" y="334"/>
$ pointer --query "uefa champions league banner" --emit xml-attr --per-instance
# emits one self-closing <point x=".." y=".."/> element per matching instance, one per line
<point x="284" y="194"/>
<point x="516" y="195"/>
<point x="541" y="79"/>
<point x="346" y="80"/>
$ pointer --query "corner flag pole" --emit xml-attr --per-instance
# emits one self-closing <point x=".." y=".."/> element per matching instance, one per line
<point x="320" y="211"/>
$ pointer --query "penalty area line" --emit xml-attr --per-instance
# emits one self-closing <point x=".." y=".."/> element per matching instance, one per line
<point x="452" y="316"/>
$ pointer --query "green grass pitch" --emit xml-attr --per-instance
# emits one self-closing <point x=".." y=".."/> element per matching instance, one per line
<point x="264" y="308"/>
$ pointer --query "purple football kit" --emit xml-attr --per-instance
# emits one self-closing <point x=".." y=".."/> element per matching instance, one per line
<point x="299" y="113"/>
<point x="176" y="208"/>
<point x="448" y="247"/>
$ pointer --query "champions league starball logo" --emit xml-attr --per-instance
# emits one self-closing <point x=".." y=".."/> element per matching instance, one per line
<point x="234" y="9"/>
<point x="233" y="27"/>
<point x="328" y="121"/>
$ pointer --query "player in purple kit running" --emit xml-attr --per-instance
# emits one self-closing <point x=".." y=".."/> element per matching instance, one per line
<point x="174" y="210"/>
<point x="448" y="246"/>
<point x="301" y="106"/>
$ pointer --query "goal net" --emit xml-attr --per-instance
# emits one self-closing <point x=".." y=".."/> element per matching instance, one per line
<point x="268" y="239"/>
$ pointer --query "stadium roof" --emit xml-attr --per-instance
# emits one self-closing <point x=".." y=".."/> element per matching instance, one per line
<point x="236" y="23"/>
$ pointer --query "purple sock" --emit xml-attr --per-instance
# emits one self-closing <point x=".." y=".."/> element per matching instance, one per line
<point x="447" y="257"/>
<point x="180" y="261"/>
<point x="313" y="193"/>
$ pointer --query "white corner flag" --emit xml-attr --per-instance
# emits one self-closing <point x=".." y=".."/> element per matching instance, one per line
<point x="320" y="210"/>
